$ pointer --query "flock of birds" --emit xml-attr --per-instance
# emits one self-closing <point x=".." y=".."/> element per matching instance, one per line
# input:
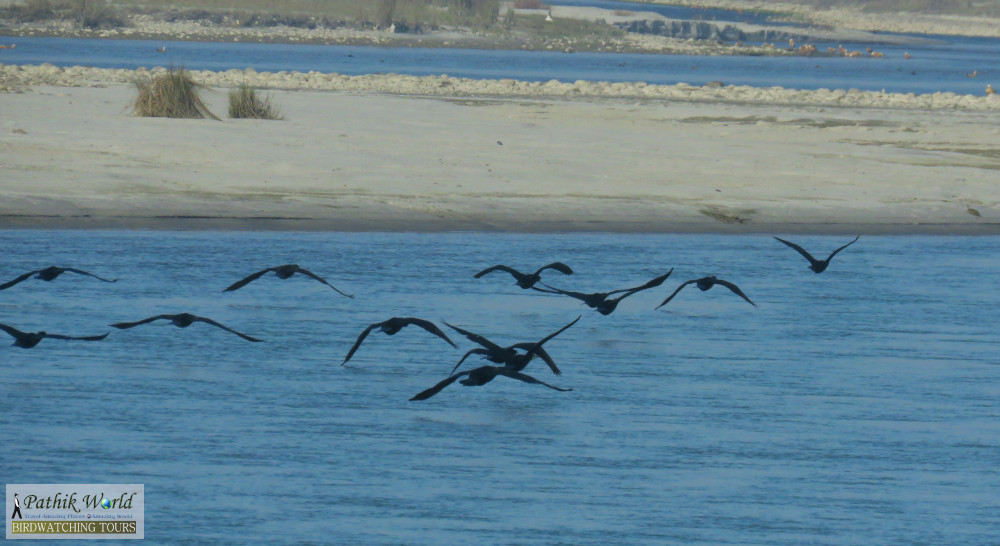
<point x="509" y="361"/>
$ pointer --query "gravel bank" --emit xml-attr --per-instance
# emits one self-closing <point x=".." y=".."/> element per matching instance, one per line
<point x="15" y="76"/>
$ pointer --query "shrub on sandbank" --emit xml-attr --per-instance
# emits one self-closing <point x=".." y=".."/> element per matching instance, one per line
<point x="244" y="103"/>
<point x="170" y="95"/>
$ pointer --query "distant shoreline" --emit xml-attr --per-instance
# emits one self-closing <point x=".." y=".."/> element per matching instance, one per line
<point x="832" y="25"/>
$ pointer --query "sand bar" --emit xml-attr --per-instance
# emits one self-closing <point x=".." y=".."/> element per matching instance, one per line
<point x="361" y="160"/>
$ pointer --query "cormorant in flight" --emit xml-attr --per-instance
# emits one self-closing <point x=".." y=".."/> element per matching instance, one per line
<point x="508" y="356"/>
<point x="479" y="377"/>
<point x="182" y="320"/>
<point x="817" y="266"/>
<point x="704" y="284"/>
<point x="283" y="272"/>
<point x="526" y="280"/>
<point x="50" y="273"/>
<point x="28" y="340"/>
<point x="394" y="325"/>
<point x="508" y="353"/>
<point x="599" y="300"/>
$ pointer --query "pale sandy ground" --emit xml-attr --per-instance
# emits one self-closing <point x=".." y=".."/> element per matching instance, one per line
<point x="76" y="157"/>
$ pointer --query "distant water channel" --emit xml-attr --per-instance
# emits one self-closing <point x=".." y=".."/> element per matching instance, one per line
<point x="859" y="406"/>
<point x="942" y="65"/>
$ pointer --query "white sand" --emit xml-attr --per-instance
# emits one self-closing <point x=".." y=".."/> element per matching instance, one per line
<point x="75" y="157"/>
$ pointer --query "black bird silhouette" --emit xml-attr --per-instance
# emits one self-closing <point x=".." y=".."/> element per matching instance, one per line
<point x="28" y="340"/>
<point x="481" y="376"/>
<point x="818" y="266"/>
<point x="283" y="272"/>
<point x="394" y="325"/>
<point x="510" y="352"/>
<point x="704" y="284"/>
<point x="182" y="320"/>
<point x="50" y="273"/>
<point x="508" y="356"/>
<point x="599" y="300"/>
<point x="526" y="280"/>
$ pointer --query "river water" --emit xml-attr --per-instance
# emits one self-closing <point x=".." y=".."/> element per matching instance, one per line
<point x="936" y="63"/>
<point x="859" y="406"/>
<point x="936" y="67"/>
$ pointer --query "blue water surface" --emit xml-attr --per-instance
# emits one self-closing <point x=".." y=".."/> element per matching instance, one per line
<point x="859" y="406"/>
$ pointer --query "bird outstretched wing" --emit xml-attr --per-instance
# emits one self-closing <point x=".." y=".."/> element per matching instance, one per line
<point x="540" y="353"/>
<point x="476" y="338"/>
<point x="476" y="351"/>
<point x="125" y="325"/>
<point x="424" y="395"/>
<point x="80" y="338"/>
<point x="577" y="295"/>
<point x="528" y="379"/>
<point x="11" y="330"/>
<point x="538" y="346"/>
<point x="226" y="328"/>
<point x="671" y="296"/>
<point x="834" y="253"/>
<point x="241" y="283"/>
<point x="802" y="251"/>
<point x="516" y="274"/>
<point x="651" y="284"/>
<point x="736" y="290"/>
<point x="8" y="284"/>
<point x="430" y="327"/>
<point x="357" y="343"/>
<point x="558" y="266"/>
<point x="82" y="272"/>
<point x="312" y="275"/>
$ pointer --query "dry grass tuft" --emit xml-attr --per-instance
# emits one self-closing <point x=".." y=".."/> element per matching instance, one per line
<point x="244" y="103"/>
<point x="170" y="95"/>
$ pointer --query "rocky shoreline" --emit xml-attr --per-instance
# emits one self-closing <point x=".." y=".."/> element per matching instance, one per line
<point x="13" y="77"/>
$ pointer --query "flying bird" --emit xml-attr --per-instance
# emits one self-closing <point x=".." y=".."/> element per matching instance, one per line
<point x="28" y="340"/>
<point x="704" y="284"/>
<point x="182" y="320"/>
<point x="283" y="272"/>
<point x="394" y="325"/>
<point x="508" y="356"/>
<point x="526" y="280"/>
<point x="818" y="266"/>
<point x="599" y="300"/>
<point x="509" y="353"/>
<point x="50" y="273"/>
<point x="481" y="376"/>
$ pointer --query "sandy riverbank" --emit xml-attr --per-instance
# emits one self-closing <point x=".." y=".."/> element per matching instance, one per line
<point x="75" y="157"/>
